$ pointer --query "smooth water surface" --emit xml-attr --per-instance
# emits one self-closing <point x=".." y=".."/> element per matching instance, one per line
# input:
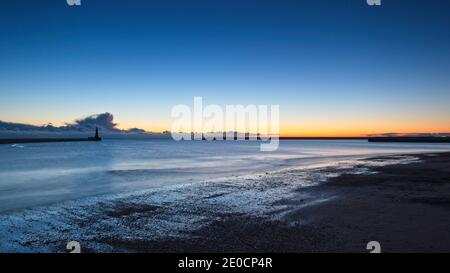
<point x="46" y="173"/>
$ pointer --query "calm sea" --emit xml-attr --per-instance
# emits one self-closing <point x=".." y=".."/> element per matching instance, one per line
<point x="42" y="174"/>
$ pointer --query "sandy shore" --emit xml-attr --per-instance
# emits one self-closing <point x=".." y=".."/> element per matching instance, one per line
<point x="403" y="202"/>
<point x="404" y="207"/>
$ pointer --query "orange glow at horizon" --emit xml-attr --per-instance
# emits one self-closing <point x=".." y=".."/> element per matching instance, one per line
<point x="363" y="128"/>
<point x="311" y="128"/>
<point x="334" y="130"/>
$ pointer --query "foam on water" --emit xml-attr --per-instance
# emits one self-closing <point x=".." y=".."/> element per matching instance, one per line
<point x="145" y="190"/>
<point x="173" y="211"/>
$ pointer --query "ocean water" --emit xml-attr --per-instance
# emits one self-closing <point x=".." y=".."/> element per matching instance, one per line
<point x="38" y="174"/>
<point x="108" y="195"/>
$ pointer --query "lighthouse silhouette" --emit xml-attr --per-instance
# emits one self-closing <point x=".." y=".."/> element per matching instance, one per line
<point x="96" y="137"/>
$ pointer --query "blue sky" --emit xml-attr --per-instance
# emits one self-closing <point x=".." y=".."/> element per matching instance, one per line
<point x="336" y="67"/>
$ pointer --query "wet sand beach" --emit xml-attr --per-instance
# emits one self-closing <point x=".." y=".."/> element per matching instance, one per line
<point x="405" y="207"/>
<point x="401" y="201"/>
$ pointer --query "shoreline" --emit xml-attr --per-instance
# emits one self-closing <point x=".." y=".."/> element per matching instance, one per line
<point x="398" y="200"/>
<point x="405" y="207"/>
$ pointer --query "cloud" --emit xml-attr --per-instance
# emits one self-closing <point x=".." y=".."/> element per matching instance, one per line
<point x="410" y="135"/>
<point x="105" y="122"/>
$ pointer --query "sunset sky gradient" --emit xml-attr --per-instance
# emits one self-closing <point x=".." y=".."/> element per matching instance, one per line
<point x="336" y="68"/>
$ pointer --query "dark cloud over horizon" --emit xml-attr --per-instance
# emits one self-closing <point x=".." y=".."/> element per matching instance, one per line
<point x="104" y="121"/>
